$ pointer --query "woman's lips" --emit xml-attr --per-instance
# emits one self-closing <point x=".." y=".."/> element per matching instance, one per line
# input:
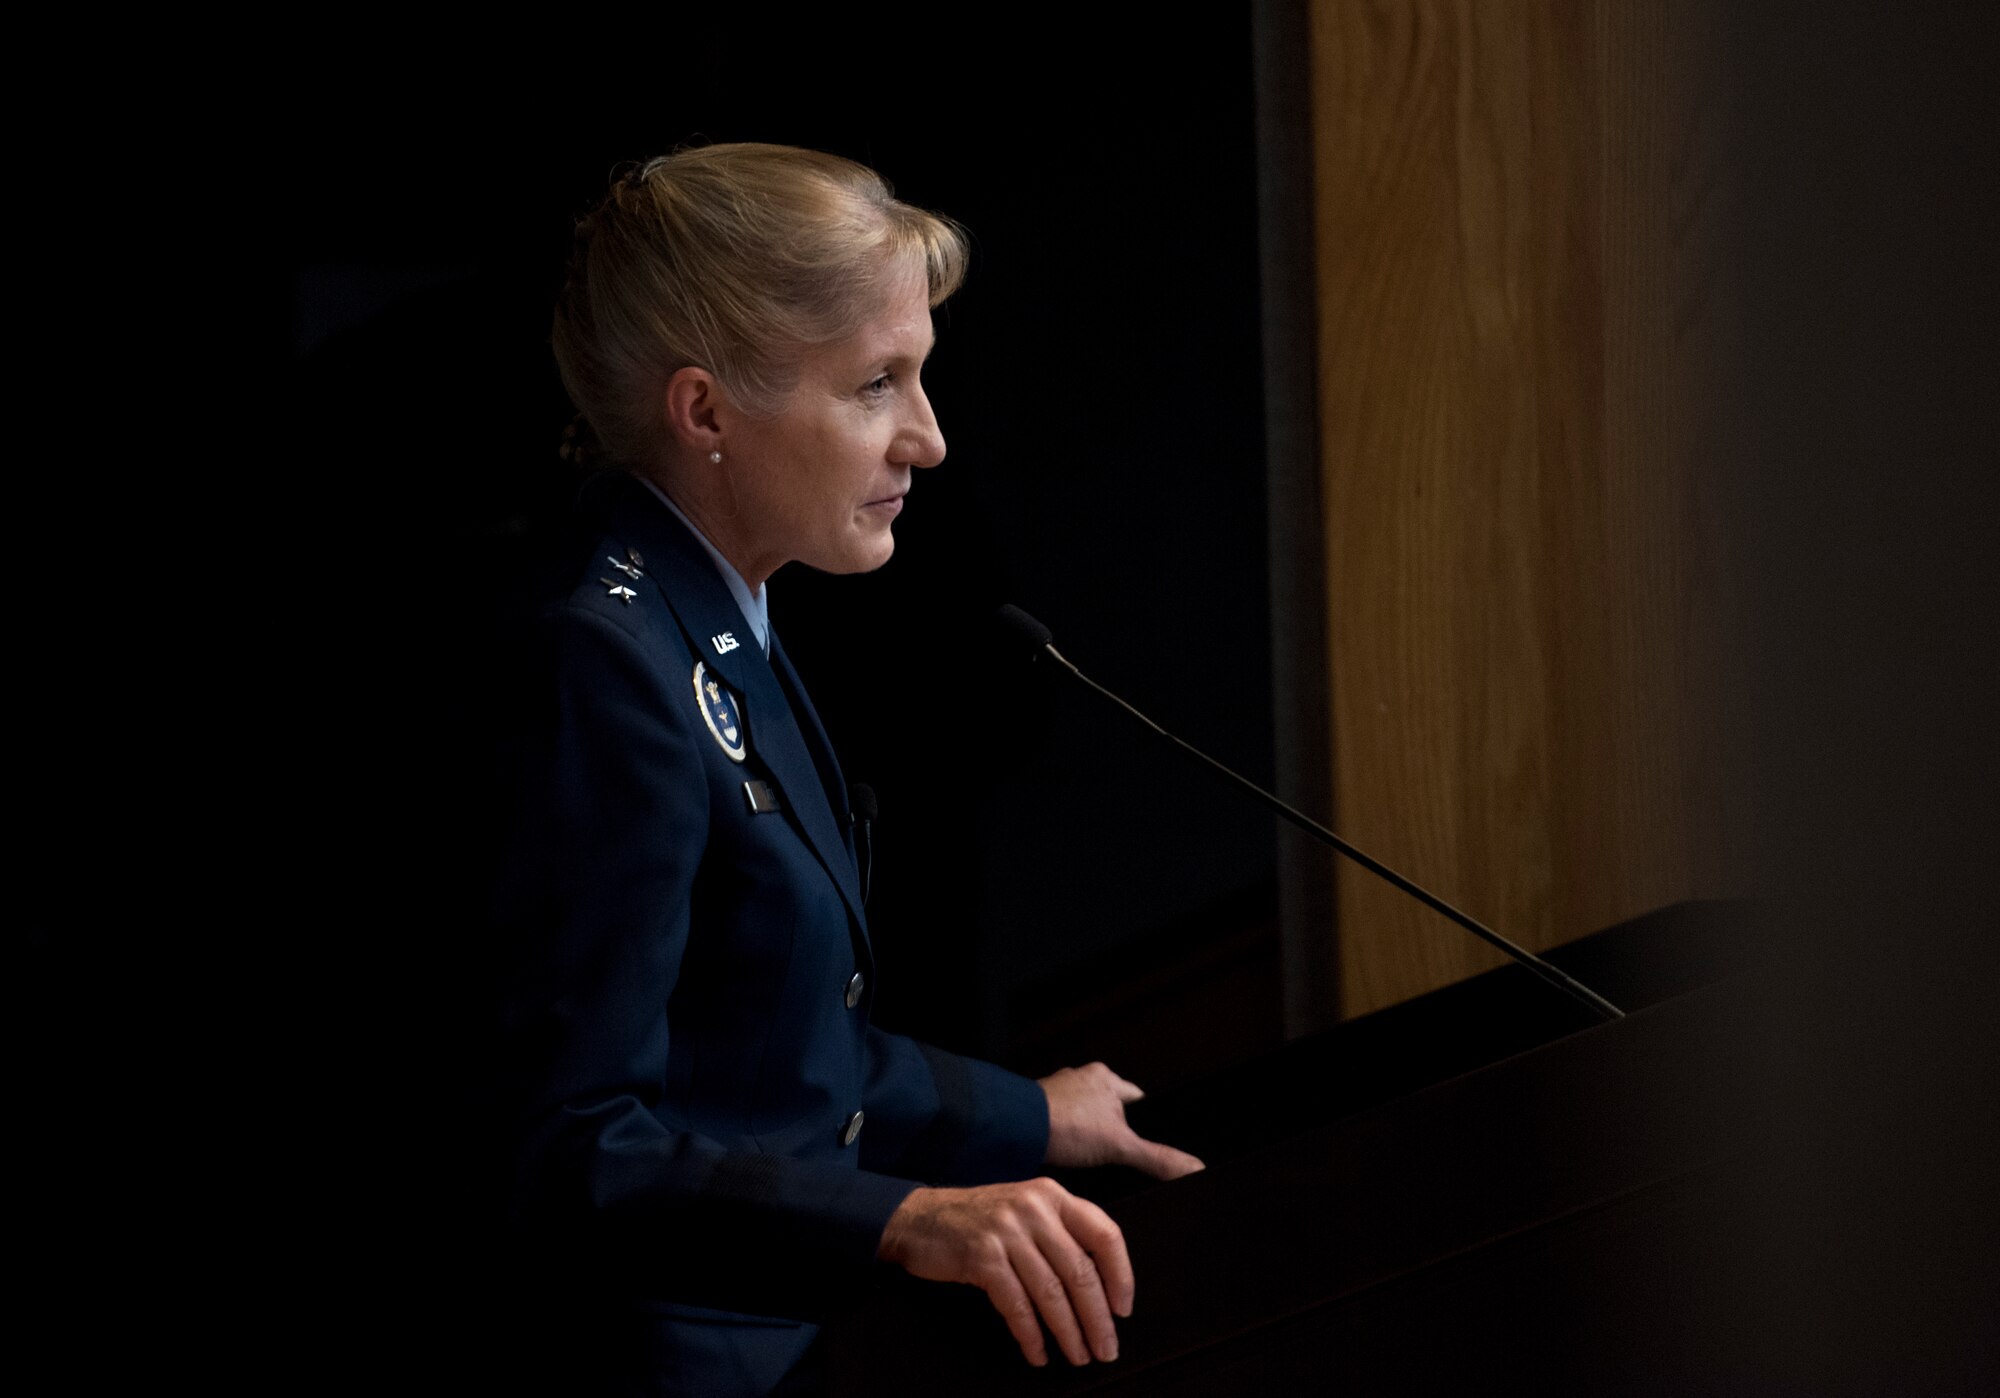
<point x="890" y="504"/>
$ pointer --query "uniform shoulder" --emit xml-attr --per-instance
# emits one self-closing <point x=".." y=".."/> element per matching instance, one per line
<point x="611" y="583"/>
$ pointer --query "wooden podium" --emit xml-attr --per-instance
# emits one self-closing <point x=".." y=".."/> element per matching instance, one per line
<point x="1473" y="1191"/>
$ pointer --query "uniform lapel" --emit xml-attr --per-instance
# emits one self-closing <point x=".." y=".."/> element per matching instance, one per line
<point x="785" y="752"/>
<point x="710" y="618"/>
<point x="820" y="746"/>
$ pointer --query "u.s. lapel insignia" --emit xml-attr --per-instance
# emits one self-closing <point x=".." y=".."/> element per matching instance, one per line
<point x="620" y="591"/>
<point x="722" y="712"/>
<point x="724" y="643"/>
<point x="630" y="570"/>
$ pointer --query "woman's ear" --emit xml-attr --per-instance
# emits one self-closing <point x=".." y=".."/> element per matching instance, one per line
<point x="691" y="401"/>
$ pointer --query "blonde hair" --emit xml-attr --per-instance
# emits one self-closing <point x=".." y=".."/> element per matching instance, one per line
<point x="739" y="259"/>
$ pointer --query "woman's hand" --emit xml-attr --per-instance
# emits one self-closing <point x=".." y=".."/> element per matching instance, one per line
<point x="1034" y="1248"/>
<point x="1087" y="1125"/>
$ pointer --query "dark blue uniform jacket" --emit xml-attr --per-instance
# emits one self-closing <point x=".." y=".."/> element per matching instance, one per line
<point x="690" y="1043"/>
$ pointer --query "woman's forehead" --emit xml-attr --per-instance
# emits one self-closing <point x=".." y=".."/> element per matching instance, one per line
<point x="900" y="329"/>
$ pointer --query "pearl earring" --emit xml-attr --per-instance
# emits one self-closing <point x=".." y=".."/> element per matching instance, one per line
<point x="715" y="457"/>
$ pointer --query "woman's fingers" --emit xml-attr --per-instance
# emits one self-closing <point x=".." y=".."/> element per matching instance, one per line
<point x="1087" y="1125"/>
<point x="1099" y="1236"/>
<point x="1042" y="1256"/>
<point x="1063" y="1298"/>
<point x="1003" y="1288"/>
<point x="1057" y="1259"/>
<point x="1162" y="1162"/>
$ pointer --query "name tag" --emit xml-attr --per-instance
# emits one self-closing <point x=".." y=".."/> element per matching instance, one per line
<point x="763" y="797"/>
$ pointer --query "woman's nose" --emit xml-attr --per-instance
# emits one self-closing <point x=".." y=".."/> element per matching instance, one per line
<point x="926" y="444"/>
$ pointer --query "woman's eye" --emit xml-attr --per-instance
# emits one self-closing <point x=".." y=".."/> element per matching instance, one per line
<point x="877" y="386"/>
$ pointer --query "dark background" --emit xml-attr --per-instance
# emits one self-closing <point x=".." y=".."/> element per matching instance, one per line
<point x="255" y="740"/>
<point x="1861" y="483"/>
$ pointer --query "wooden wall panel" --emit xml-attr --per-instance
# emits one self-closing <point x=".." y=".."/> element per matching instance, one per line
<point x="1515" y="314"/>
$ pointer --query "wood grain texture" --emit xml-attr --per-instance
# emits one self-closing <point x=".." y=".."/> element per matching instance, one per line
<point x="1516" y="310"/>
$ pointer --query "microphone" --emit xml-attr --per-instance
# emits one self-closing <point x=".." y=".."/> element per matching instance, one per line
<point x="1030" y="635"/>
<point x="862" y="812"/>
<point x="1025" y="630"/>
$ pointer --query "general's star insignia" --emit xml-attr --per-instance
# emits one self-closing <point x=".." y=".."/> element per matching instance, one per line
<point x="622" y="566"/>
<point x="620" y="591"/>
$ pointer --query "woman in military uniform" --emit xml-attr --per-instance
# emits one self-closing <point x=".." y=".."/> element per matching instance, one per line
<point x="717" y="1139"/>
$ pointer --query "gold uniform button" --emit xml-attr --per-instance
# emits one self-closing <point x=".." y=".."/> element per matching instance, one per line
<point x="855" y="985"/>
<point x="852" y="1129"/>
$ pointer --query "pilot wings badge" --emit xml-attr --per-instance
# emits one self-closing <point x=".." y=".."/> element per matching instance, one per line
<point x="722" y="711"/>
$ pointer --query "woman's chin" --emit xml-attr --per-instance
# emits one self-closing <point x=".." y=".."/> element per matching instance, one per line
<point x="880" y="554"/>
<point x="861" y="554"/>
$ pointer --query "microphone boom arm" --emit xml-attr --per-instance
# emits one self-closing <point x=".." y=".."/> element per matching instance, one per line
<point x="1564" y="982"/>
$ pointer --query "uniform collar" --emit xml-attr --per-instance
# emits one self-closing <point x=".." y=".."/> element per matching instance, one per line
<point x="754" y="605"/>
